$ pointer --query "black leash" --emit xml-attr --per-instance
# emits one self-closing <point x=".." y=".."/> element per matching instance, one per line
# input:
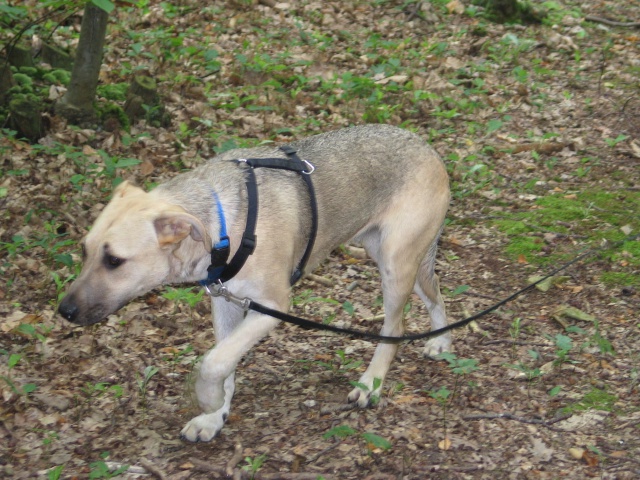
<point x="301" y="322"/>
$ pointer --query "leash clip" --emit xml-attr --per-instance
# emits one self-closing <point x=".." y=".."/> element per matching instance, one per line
<point x="219" y="290"/>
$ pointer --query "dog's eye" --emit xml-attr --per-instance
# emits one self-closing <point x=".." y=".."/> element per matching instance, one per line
<point x="112" y="261"/>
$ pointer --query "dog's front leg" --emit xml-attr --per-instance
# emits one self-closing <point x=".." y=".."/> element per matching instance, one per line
<point x="215" y="383"/>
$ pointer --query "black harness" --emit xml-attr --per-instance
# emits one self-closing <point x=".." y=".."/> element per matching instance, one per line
<point x="220" y="271"/>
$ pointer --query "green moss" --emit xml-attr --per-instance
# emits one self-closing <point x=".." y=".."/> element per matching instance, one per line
<point x="527" y="246"/>
<point x="620" y="279"/>
<point x="30" y="71"/>
<point x="513" y="227"/>
<point x="116" y="92"/>
<point x="591" y="215"/>
<point x="23" y="80"/>
<point x="60" y="76"/>
<point x="113" y="111"/>
<point x="596" y="399"/>
<point x="629" y="253"/>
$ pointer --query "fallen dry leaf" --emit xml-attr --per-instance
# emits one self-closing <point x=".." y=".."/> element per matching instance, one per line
<point x="444" y="444"/>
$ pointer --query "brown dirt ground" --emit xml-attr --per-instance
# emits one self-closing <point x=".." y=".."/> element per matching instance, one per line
<point x="287" y="396"/>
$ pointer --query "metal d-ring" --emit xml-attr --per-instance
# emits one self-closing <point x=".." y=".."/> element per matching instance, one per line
<point x="310" y="167"/>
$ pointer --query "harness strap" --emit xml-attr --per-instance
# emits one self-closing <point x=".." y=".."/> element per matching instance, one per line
<point x="248" y="242"/>
<point x="219" y="270"/>
<point x="306" y="176"/>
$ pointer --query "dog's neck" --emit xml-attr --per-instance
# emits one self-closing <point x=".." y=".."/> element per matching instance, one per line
<point x="190" y="258"/>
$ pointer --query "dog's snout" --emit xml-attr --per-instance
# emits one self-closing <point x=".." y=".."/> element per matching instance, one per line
<point x="68" y="309"/>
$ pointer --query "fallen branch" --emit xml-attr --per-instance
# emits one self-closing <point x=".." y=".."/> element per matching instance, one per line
<point x="545" y="148"/>
<point x="341" y="407"/>
<point x="612" y="23"/>
<point x="290" y="476"/>
<point x="151" y="468"/>
<point x="322" y="452"/>
<point x="516" y="342"/>
<point x="234" y="460"/>
<point x="509" y="416"/>
<point x="203" y="466"/>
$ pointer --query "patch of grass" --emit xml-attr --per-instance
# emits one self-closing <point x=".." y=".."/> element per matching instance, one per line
<point x="592" y="215"/>
<point x="525" y="246"/>
<point x="620" y="279"/>
<point x="596" y="399"/>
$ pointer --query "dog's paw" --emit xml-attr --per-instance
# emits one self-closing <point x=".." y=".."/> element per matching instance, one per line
<point x="204" y="427"/>
<point x="364" y="396"/>
<point x="436" y="346"/>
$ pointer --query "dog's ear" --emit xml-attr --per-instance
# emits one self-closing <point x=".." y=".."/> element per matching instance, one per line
<point x="126" y="188"/>
<point x="173" y="227"/>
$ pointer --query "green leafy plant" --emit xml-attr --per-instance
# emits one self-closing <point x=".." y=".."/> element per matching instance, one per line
<point x="190" y="296"/>
<point x="375" y="398"/>
<point x="143" y="382"/>
<point x="253" y="465"/>
<point x="94" y="390"/>
<point x="612" y="142"/>
<point x="564" y="344"/>
<point x="442" y="396"/>
<point x="460" y="367"/>
<point x="372" y="441"/>
<point x="22" y="390"/>
<point x="100" y="469"/>
<point x="343" y="364"/>
<point x="55" y="473"/>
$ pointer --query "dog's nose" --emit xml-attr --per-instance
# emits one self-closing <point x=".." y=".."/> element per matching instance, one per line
<point x="68" y="309"/>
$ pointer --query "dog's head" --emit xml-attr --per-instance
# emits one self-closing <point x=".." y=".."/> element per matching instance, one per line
<point x="137" y="243"/>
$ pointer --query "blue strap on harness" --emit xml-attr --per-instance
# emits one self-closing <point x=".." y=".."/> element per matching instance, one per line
<point x="220" y="252"/>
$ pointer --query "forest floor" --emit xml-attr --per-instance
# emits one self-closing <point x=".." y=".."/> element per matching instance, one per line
<point x="539" y="127"/>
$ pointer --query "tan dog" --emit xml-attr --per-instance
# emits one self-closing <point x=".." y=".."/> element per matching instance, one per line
<point x="380" y="185"/>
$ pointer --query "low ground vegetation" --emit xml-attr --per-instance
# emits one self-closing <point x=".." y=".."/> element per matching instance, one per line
<point x="539" y="127"/>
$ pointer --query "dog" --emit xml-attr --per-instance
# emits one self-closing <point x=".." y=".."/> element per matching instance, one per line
<point x="378" y="185"/>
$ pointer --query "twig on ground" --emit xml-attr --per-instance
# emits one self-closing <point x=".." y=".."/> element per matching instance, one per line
<point x="151" y="468"/>
<point x="413" y="12"/>
<point x="612" y="23"/>
<point x="509" y="416"/>
<point x="338" y="408"/>
<point x="291" y="476"/>
<point x="133" y="469"/>
<point x="234" y="460"/>
<point x="322" y="452"/>
<point x="517" y="342"/>
<point x="320" y="280"/>
<point x="450" y="468"/>
<point x="206" y="466"/>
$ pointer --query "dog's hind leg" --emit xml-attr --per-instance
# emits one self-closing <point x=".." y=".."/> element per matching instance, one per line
<point x="398" y="269"/>
<point x="428" y="289"/>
